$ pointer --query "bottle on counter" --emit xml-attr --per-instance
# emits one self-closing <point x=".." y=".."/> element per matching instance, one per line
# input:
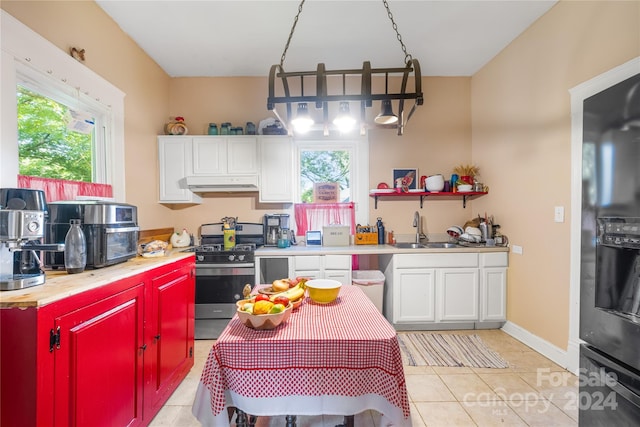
<point x="75" y="249"/>
<point x="380" y="231"/>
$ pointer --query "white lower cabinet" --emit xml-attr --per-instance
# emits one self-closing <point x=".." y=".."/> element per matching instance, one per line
<point x="457" y="292"/>
<point x="493" y="286"/>
<point x="414" y="295"/>
<point x="445" y="290"/>
<point x="336" y="267"/>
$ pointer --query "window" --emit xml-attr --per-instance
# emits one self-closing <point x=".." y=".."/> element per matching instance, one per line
<point x="321" y="165"/>
<point x="31" y="64"/>
<point x="54" y="139"/>
<point x="344" y="161"/>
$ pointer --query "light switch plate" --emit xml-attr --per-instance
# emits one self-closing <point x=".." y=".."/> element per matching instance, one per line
<point x="558" y="214"/>
<point x="516" y="249"/>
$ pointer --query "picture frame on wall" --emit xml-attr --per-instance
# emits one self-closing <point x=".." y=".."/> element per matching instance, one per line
<point x="409" y="177"/>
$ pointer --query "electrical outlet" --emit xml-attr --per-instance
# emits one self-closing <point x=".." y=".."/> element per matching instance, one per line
<point x="516" y="249"/>
<point x="558" y="214"/>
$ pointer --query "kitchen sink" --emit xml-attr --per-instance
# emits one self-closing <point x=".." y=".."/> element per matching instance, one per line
<point x="441" y="245"/>
<point x="407" y="245"/>
<point x="434" y="245"/>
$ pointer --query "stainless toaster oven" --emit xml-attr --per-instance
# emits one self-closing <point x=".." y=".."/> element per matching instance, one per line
<point x="111" y="230"/>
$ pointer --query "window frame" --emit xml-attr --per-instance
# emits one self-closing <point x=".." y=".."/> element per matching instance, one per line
<point x="27" y="55"/>
<point x="358" y="148"/>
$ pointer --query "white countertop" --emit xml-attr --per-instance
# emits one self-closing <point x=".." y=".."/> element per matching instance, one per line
<point x="366" y="250"/>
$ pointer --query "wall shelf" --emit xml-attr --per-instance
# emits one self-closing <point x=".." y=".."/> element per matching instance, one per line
<point x="423" y="194"/>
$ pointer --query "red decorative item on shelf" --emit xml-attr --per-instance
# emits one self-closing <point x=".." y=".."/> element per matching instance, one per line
<point x="468" y="179"/>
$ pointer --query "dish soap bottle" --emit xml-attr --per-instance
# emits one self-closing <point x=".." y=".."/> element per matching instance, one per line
<point x="75" y="249"/>
<point x="380" y="231"/>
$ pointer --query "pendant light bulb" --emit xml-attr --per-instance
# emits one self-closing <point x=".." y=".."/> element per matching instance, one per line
<point x="344" y="120"/>
<point x="303" y="121"/>
<point x="386" y="116"/>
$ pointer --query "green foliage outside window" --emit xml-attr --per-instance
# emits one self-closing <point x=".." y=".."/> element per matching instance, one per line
<point x="47" y="148"/>
<point x="323" y="166"/>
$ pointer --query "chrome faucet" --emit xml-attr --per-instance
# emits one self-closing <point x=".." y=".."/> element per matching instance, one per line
<point x="416" y="224"/>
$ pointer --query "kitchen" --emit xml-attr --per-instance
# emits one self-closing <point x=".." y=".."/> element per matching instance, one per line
<point x="510" y="118"/>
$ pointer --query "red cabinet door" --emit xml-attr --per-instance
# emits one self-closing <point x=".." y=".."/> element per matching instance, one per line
<point x="170" y="329"/>
<point x="98" y="366"/>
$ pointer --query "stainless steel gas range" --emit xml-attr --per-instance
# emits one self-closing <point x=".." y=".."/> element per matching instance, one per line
<point x="221" y="275"/>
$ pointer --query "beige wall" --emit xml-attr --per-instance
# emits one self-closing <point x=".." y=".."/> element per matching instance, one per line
<point x="522" y="140"/>
<point x="437" y="138"/>
<point x="512" y="119"/>
<point x="113" y="55"/>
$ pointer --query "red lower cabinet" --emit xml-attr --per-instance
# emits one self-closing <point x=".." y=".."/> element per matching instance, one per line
<point x="98" y="367"/>
<point x="170" y="335"/>
<point x="111" y="356"/>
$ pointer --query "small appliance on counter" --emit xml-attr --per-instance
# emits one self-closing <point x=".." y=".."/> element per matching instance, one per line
<point x="336" y="235"/>
<point x="275" y="226"/>
<point x="22" y="222"/>
<point x="111" y="230"/>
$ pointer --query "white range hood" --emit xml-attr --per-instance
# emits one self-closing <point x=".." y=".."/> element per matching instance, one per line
<point x="222" y="183"/>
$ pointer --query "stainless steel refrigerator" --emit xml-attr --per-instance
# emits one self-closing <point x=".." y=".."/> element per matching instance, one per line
<point x="609" y="393"/>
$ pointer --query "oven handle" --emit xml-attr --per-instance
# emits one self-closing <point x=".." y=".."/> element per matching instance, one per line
<point x="234" y="265"/>
<point x="121" y="229"/>
<point x="226" y="270"/>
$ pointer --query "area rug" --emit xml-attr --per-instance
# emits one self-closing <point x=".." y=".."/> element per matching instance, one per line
<point x="424" y="349"/>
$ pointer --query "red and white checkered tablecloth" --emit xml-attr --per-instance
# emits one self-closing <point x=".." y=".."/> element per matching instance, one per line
<point x="345" y="348"/>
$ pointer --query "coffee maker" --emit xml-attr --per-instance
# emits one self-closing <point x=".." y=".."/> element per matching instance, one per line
<point x="23" y="214"/>
<point x="276" y="226"/>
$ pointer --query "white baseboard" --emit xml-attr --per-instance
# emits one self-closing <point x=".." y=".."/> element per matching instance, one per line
<point x="548" y="350"/>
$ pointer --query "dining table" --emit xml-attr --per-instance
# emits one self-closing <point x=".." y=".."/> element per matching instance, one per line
<point x="340" y="358"/>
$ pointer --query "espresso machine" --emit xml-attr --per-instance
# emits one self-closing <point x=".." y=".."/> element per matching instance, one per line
<point x="23" y="214"/>
<point x="276" y="226"/>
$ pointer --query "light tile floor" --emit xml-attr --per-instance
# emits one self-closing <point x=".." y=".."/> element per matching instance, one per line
<point x="532" y="391"/>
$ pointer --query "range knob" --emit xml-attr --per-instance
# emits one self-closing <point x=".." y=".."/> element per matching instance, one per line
<point x="232" y="257"/>
<point x="240" y="257"/>
<point x="200" y="257"/>
<point x="33" y="226"/>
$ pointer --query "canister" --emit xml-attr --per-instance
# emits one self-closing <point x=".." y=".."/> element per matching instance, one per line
<point x="229" y="236"/>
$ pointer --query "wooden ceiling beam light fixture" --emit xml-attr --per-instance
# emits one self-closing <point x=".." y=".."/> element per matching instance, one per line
<point x="288" y="81"/>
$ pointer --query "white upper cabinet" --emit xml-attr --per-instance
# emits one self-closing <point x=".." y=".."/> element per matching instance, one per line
<point x="276" y="169"/>
<point x="221" y="155"/>
<point x="174" y="156"/>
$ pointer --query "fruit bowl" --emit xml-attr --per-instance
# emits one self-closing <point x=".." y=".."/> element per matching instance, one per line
<point x="323" y="291"/>
<point x="262" y="321"/>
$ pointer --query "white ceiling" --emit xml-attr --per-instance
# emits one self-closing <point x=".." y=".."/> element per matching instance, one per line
<point x="244" y="38"/>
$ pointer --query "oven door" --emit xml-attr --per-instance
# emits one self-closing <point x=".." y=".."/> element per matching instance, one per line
<point x="219" y="286"/>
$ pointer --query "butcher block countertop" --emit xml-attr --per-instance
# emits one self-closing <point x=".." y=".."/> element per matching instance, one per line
<point x="59" y="284"/>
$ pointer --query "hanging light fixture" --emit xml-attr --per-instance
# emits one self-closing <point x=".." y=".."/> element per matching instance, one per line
<point x="303" y="121"/>
<point x="386" y="116"/>
<point x="287" y="82"/>
<point x="344" y="121"/>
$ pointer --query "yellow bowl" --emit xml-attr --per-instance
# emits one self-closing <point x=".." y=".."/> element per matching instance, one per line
<point x="263" y="321"/>
<point x="323" y="291"/>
